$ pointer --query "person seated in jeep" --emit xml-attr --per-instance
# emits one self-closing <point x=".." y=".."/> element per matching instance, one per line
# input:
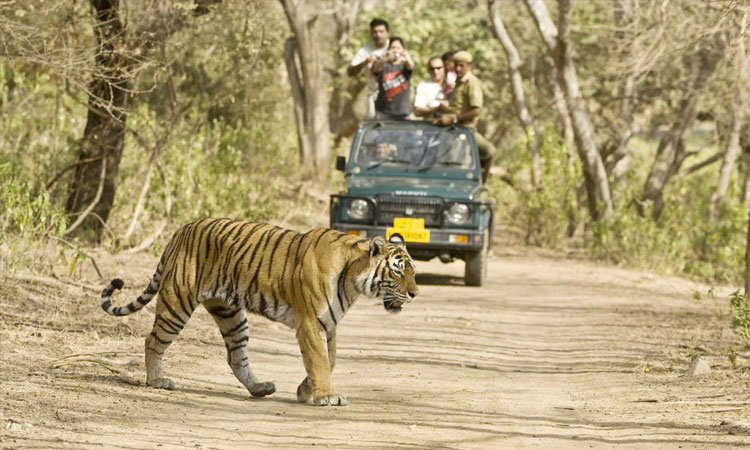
<point x="379" y="151"/>
<point x="384" y="150"/>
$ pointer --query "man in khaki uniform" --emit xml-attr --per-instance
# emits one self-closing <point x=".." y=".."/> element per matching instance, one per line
<point x="465" y="106"/>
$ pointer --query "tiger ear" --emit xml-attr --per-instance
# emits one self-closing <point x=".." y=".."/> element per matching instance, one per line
<point x="377" y="246"/>
<point x="397" y="239"/>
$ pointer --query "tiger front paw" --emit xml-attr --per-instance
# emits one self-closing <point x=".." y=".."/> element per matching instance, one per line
<point x="330" y="400"/>
<point x="162" y="383"/>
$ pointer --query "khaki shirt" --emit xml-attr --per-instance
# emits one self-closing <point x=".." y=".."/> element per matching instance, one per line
<point x="466" y="95"/>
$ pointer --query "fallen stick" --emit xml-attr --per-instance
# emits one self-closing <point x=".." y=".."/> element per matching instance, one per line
<point x="710" y="402"/>
<point x="110" y="352"/>
<point x="717" y="410"/>
<point x="107" y="364"/>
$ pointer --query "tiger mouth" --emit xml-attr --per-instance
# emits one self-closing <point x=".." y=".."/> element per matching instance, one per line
<point x="393" y="305"/>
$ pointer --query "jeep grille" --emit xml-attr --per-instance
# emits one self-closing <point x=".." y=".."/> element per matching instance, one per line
<point x="391" y="206"/>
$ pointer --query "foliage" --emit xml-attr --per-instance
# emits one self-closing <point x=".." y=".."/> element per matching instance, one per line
<point x="682" y="241"/>
<point x="24" y="212"/>
<point x="547" y="213"/>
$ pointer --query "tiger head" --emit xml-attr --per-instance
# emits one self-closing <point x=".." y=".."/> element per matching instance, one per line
<point x="392" y="273"/>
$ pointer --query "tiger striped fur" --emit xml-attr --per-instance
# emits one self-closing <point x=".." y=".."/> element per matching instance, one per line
<point x="307" y="281"/>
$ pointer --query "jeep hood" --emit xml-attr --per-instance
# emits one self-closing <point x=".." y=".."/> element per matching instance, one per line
<point x="441" y="187"/>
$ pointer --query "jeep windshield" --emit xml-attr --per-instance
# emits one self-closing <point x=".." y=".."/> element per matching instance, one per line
<point x="414" y="149"/>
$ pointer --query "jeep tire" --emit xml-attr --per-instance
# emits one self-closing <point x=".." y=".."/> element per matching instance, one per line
<point x="476" y="264"/>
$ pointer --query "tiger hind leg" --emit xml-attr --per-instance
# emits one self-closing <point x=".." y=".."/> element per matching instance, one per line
<point x="234" y="329"/>
<point x="168" y="323"/>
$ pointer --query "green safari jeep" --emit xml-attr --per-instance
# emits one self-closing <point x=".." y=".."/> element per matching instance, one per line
<point x="422" y="181"/>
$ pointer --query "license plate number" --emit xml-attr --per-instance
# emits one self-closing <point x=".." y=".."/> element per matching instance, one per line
<point x="412" y="229"/>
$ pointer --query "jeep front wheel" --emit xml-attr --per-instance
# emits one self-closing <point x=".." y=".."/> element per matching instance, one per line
<point x="476" y="264"/>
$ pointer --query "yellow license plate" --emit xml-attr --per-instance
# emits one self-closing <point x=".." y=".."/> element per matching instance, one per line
<point x="411" y="223"/>
<point x="412" y="229"/>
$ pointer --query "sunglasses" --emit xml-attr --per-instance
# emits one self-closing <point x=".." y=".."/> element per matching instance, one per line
<point x="436" y="68"/>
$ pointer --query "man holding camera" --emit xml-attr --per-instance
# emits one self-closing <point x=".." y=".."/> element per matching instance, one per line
<point x="366" y="57"/>
<point x="393" y="73"/>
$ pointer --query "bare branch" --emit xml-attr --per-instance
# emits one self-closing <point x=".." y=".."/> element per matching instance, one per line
<point x="93" y="203"/>
<point x="163" y="223"/>
<point x="707" y="162"/>
<point x="69" y="167"/>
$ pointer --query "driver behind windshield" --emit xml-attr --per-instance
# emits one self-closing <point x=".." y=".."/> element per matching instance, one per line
<point x="376" y="148"/>
<point x="384" y="151"/>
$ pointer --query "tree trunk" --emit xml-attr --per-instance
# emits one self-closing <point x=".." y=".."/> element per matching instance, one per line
<point x="347" y="106"/>
<point x="747" y="264"/>
<point x="344" y="112"/>
<point x="738" y="119"/>
<point x="514" y="64"/>
<point x="597" y="185"/>
<point x="311" y="93"/>
<point x="618" y="162"/>
<point x="727" y="165"/>
<point x="104" y="133"/>
<point x="745" y="162"/>
<point x="298" y="96"/>
<point x="671" y="152"/>
<point x="568" y="137"/>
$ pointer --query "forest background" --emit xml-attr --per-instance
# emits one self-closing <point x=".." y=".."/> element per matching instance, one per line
<point x="622" y="125"/>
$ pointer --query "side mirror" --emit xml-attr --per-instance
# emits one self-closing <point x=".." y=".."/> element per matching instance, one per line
<point x="341" y="163"/>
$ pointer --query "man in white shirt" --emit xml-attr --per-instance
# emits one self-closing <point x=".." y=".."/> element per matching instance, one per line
<point x="366" y="56"/>
<point x="430" y="94"/>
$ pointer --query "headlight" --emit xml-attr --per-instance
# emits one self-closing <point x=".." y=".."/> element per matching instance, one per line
<point x="358" y="209"/>
<point x="459" y="213"/>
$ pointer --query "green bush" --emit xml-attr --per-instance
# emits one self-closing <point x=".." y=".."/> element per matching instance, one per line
<point x="26" y="220"/>
<point x="25" y="213"/>
<point x="223" y="170"/>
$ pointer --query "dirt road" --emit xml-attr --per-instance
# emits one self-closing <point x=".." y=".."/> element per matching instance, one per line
<point x="551" y="353"/>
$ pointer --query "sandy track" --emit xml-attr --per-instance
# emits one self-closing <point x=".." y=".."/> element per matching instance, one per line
<point x="551" y="353"/>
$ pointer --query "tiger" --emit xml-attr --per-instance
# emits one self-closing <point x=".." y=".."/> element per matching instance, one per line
<point x="306" y="281"/>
